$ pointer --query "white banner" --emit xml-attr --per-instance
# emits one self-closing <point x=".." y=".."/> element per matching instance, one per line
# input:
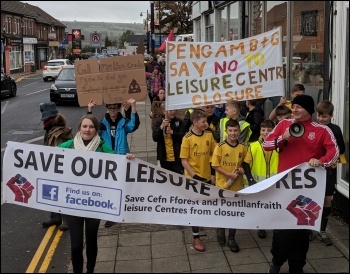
<point x="207" y="73"/>
<point x="109" y="187"/>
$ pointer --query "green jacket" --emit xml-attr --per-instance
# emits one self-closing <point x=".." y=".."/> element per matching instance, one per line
<point x="101" y="148"/>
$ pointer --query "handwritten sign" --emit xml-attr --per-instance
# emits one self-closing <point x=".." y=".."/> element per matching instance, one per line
<point x="157" y="111"/>
<point x="207" y="73"/>
<point x="110" y="80"/>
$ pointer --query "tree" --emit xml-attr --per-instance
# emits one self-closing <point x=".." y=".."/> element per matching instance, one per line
<point x="123" y="37"/>
<point x="86" y="48"/>
<point x="175" y="14"/>
<point x="69" y="49"/>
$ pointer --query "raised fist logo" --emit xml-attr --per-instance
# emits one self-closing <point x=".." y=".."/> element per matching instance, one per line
<point x="305" y="210"/>
<point x="21" y="188"/>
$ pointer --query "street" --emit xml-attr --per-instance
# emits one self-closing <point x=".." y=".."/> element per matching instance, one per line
<point x="22" y="232"/>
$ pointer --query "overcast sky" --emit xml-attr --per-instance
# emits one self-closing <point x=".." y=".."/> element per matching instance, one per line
<point x="95" y="11"/>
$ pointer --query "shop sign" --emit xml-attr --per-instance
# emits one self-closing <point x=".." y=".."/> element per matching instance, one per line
<point x="14" y="42"/>
<point x="52" y="36"/>
<point x="30" y="40"/>
<point x="53" y="43"/>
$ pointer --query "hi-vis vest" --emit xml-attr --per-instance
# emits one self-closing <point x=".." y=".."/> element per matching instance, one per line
<point x="242" y="125"/>
<point x="264" y="163"/>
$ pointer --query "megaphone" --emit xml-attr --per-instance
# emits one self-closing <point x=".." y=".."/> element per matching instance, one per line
<point x="296" y="130"/>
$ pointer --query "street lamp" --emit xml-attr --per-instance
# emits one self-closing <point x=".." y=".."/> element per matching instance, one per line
<point x="141" y="14"/>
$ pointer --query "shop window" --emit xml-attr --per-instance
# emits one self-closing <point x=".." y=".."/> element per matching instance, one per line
<point x="15" y="58"/>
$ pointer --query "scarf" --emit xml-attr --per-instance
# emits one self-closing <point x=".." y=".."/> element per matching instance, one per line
<point x="92" y="146"/>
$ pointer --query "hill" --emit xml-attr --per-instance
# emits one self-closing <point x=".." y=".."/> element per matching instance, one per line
<point x="112" y="30"/>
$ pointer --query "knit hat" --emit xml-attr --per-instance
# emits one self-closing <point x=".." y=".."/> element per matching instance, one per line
<point x="306" y="102"/>
<point x="156" y="67"/>
<point x="48" y="110"/>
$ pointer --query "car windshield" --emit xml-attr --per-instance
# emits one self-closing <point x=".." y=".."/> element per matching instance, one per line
<point x="55" y="64"/>
<point x="66" y="75"/>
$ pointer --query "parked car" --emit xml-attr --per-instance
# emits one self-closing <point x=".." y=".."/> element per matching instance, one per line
<point x="8" y="85"/>
<point x="64" y="89"/>
<point x="53" y="68"/>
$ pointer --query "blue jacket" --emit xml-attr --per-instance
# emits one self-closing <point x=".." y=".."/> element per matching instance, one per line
<point x="122" y="128"/>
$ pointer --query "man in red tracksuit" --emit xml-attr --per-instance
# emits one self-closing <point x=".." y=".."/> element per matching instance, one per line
<point x="318" y="147"/>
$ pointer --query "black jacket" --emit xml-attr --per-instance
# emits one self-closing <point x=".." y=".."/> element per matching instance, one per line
<point x="158" y="136"/>
<point x="255" y="117"/>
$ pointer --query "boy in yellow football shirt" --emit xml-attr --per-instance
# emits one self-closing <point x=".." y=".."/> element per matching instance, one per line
<point x="227" y="159"/>
<point x="196" y="150"/>
<point x="260" y="164"/>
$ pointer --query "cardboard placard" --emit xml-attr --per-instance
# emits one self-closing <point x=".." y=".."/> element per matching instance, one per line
<point x="157" y="111"/>
<point x="111" y="80"/>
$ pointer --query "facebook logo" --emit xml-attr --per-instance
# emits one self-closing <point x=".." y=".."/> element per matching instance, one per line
<point x="50" y="192"/>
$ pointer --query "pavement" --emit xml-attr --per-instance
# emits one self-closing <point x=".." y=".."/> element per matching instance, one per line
<point x="152" y="248"/>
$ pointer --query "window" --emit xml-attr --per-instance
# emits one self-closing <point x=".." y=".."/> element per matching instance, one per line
<point x="28" y="53"/>
<point x="209" y="28"/>
<point x="8" y="25"/>
<point x="223" y="25"/>
<point x="234" y="22"/>
<point x="17" y="26"/>
<point x="15" y="58"/>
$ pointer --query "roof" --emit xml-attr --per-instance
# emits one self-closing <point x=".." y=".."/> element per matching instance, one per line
<point x="17" y="7"/>
<point x="30" y="11"/>
<point x="44" y="17"/>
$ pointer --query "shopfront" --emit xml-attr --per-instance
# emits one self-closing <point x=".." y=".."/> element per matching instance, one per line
<point x="310" y="35"/>
<point x="29" y="45"/>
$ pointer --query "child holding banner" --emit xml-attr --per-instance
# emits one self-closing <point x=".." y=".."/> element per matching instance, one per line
<point x="227" y="160"/>
<point x="213" y="123"/>
<point x="86" y="139"/>
<point x="168" y="133"/>
<point x="196" y="150"/>
<point x="260" y="164"/>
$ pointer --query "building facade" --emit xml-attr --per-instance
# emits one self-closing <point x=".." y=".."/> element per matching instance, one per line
<point x="29" y="37"/>
<point x="315" y="39"/>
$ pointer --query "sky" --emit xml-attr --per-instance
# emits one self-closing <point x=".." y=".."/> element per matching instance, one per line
<point x="95" y="11"/>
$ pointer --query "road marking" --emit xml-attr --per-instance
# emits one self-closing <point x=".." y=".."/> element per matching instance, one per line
<point x="4" y="107"/>
<point x="50" y="252"/>
<point x="28" y="142"/>
<point x="30" y="84"/>
<point x="36" y="92"/>
<point x="33" y="264"/>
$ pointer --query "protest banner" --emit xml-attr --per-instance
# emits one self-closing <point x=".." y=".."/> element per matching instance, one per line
<point x="110" y="187"/>
<point x="207" y="73"/>
<point x="110" y="80"/>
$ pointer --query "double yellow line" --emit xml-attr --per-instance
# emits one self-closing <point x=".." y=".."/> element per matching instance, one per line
<point x="40" y="251"/>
